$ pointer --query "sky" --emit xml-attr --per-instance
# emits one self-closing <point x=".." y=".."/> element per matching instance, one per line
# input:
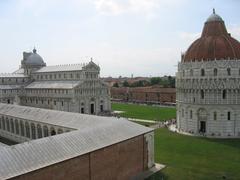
<point x="124" y="37"/>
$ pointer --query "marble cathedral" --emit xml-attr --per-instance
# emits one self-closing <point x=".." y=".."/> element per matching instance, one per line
<point x="72" y="88"/>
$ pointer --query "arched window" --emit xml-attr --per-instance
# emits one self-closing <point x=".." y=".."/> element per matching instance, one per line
<point x="12" y="126"/>
<point x="17" y="126"/>
<point x="39" y="131"/>
<point x="190" y="114"/>
<point x="4" y="123"/>
<point x="215" y="116"/>
<point x="101" y="107"/>
<point x="82" y="110"/>
<point x="202" y="94"/>
<point x="27" y="129"/>
<point x="224" y="94"/>
<point x="215" y="72"/>
<point x="60" y="131"/>
<point x="33" y="130"/>
<point x="229" y="115"/>
<point x="22" y="128"/>
<point x="8" y="124"/>
<point x="0" y="123"/>
<point x="45" y="131"/>
<point x="191" y="72"/>
<point x="183" y="73"/>
<point x="53" y="132"/>
<point x="228" y="71"/>
<point x="202" y="72"/>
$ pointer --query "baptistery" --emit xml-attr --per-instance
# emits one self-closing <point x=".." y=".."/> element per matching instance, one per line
<point x="208" y="83"/>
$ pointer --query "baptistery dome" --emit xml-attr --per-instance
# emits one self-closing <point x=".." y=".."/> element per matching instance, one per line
<point x="208" y="83"/>
<point x="214" y="43"/>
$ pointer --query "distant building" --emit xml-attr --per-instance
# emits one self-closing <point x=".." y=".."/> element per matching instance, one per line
<point x="120" y="81"/>
<point x="74" y="88"/>
<point x="63" y="145"/>
<point x="151" y="94"/>
<point x="208" y="83"/>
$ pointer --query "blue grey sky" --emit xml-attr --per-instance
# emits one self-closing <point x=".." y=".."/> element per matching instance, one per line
<point x="139" y="37"/>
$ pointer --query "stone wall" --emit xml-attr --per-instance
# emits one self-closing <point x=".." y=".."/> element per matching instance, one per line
<point x="144" y="94"/>
<point x="120" y="161"/>
<point x="209" y="92"/>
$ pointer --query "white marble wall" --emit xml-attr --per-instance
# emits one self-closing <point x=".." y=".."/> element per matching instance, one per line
<point x="149" y="137"/>
<point x="196" y="92"/>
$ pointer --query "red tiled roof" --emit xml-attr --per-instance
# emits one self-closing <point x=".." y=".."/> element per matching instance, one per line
<point x="214" y="43"/>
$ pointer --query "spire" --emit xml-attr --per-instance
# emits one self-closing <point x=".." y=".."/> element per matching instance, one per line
<point x="213" y="10"/>
<point x="34" y="50"/>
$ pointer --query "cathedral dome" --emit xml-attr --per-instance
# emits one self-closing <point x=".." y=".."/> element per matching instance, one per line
<point x="214" y="43"/>
<point x="34" y="59"/>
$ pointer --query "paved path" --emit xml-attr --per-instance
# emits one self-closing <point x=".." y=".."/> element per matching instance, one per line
<point x="149" y="172"/>
<point x="174" y="129"/>
<point x="142" y="120"/>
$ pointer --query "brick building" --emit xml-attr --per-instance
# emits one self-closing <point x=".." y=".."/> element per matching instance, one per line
<point x="63" y="145"/>
<point x="152" y="94"/>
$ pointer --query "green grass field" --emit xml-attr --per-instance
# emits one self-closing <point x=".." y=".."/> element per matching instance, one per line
<point x="189" y="157"/>
<point x="145" y="112"/>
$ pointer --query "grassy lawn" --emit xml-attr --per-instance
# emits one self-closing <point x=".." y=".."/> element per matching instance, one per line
<point x="145" y="112"/>
<point x="189" y="157"/>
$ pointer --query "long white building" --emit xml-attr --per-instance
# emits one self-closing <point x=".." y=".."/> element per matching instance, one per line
<point x="208" y="83"/>
<point x="65" y="145"/>
<point x="73" y="88"/>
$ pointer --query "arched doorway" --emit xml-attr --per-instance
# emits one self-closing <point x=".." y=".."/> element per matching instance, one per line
<point x="202" y="120"/>
<point x="92" y="106"/>
<point x="53" y="132"/>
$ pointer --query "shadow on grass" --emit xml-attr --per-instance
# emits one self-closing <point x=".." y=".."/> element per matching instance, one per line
<point x="157" y="176"/>
<point x="235" y="143"/>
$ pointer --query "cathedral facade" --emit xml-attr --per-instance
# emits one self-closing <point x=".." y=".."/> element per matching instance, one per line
<point x="72" y="88"/>
<point x="208" y="83"/>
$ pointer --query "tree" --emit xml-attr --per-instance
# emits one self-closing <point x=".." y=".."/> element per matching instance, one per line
<point x="171" y="81"/>
<point x="155" y="80"/>
<point x="125" y="84"/>
<point x="115" y="84"/>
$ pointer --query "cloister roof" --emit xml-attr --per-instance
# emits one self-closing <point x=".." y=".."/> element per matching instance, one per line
<point x="93" y="132"/>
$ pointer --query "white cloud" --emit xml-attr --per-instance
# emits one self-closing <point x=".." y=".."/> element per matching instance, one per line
<point x="189" y="36"/>
<point x="109" y="7"/>
<point x="235" y="31"/>
<point x="145" y="7"/>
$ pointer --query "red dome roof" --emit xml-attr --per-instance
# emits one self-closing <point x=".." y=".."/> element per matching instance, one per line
<point x="214" y="43"/>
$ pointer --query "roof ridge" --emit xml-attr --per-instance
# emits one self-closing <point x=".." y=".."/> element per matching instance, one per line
<point x="65" y="65"/>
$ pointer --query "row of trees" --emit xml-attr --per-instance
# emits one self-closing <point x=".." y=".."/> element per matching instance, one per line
<point x="166" y="81"/>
